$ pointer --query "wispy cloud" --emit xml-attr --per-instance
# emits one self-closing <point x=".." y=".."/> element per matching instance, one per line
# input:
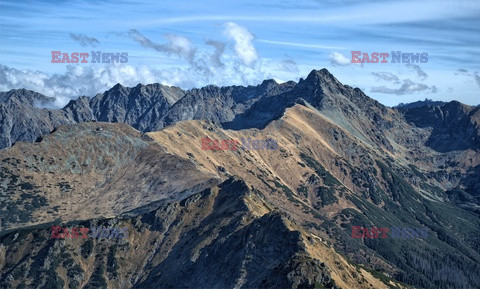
<point x="407" y="87"/>
<point x="420" y="73"/>
<point x="84" y="40"/>
<point x="288" y="65"/>
<point x="387" y="76"/>
<point x="298" y="44"/>
<point x="477" y="78"/>
<point x="357" y="13"/>
<point x="216" y="57"/>
<point x="238" y="54"/>
<point x="464" y="72"/>
<point x="177" y="45"/>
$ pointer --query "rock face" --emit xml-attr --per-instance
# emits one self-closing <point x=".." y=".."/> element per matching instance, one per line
<point x="222" y="104"/>
<point x="142" y="106"/>
<point x="245" y="218"/>
<point x="79" y="110"/>
<point x="455" y="126"/>
<point x="21" y="119"/>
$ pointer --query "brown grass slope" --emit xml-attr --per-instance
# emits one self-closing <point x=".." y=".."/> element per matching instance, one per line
<point x="90" y="170"/>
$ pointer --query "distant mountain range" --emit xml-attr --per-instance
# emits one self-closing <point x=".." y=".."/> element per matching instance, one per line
<point x="420" y="103"/>
<point x="154" y="106"/>
<point x="132" y="158"/>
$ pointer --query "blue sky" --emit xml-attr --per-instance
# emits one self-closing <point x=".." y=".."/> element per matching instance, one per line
<point x="195" y="43"/>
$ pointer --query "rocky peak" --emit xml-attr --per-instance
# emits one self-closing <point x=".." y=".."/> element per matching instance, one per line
<point x="268" y="83"/>
<point x="118" y="86"/>
<point x="319" y="77"/>
<point x="25" y="97"/>
<point x="79" y="109"/>
<point x="420" y="103"/>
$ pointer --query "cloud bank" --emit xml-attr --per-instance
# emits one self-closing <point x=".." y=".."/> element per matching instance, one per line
<point x="233" y="61"/>
<point x="76" y="81"/>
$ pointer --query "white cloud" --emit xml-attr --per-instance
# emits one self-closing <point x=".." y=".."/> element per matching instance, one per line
<point x="240" y="65"/>
<point x="337" y="58"/>
<point x="180" y="45"/>
<point x="243" y="43"/>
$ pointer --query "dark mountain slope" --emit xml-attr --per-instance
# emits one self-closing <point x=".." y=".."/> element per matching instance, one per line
<point x="212" y="239"/>
<point x="222" y="104"/>
<point x="21" y="119"/>
<point x="455" y="126"/>
<point x="142" y="106"/>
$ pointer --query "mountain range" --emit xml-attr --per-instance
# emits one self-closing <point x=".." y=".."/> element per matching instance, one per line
<point x="133" y="158"/>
